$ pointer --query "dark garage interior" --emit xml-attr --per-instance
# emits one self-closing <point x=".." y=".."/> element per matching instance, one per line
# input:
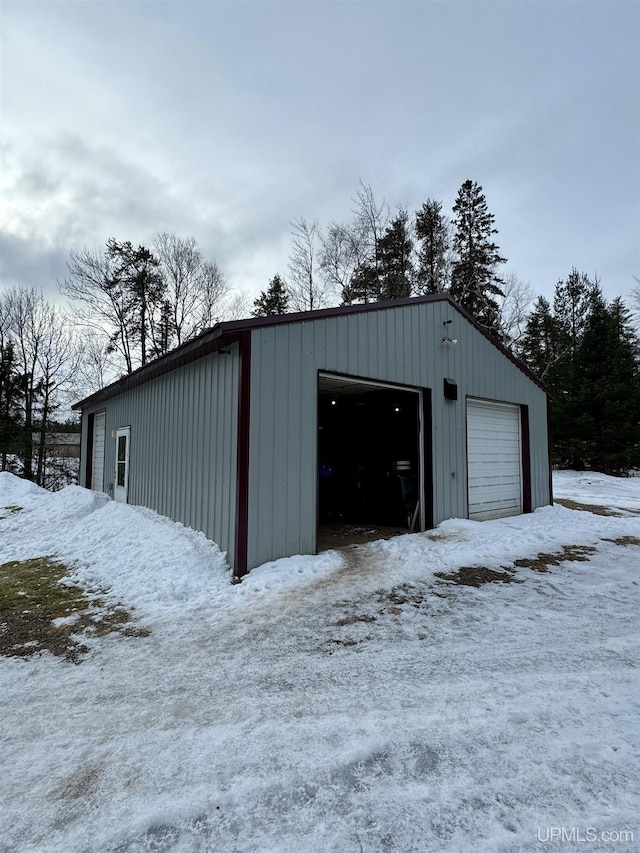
<point x="368" y="456"/>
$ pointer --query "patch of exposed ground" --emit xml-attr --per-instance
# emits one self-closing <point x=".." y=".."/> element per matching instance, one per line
<point x="596" y="509"/>
<point x="478" y="575"/>
<point x="624" y="540"/>
<point x="347" y="642"/>
<point x="6" y="511"/>
<point x="357" y="562"/>
<point x="81" y="784"/>
<point x="352" y="619"/>
<point x="41" y="612"/>
<point x="569" y="553"/>
<point x="396" y="601"/>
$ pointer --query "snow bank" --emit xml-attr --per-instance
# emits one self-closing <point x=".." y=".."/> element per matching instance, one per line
<point x="159" y="566"/>
<point x="13" y="489"/>
<point x="591" y="487"/>
<point x="144" y="559"/>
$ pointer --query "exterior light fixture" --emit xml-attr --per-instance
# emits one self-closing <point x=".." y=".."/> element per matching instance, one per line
<point x="450" y="389"/>
<point x="448" y="341"/>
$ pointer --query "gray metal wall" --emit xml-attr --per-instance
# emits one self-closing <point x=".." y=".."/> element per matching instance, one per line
<point x="182" y="455"/>
<point x="401" y="345"/>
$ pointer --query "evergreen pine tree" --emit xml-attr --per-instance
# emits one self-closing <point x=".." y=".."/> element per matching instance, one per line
<point x="163" y="330"/>
<point x="396" y="268"/>
<point x="432" y="233"/>
<point x="137" y="272"/>
<point x="474" y="280"/>
<point x="272" y="301"/>
<point x="364" y="285"/>
<point x="541" y="347"/>
<point x="626" y="362"/>
<point x="607" y="424"/>
<point x="10" y="392"/>
<point x="572" y="304"/>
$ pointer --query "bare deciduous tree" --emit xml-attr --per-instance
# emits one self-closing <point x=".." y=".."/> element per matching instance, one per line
<point x="195" y="288"/>
<point x="100" y="302"/>
<point x="57" y="366"/>
<point x="235" y="306"/>
<point x="144" y="304"/>
<point x="371" y="219"/>
<point x="515" y="307"/>
<point x="350" y="256"/>
<point x="308" y="288"/>
<point x="342" y="253"/>
<point x="97" y="366"/>
<point x="48" y="359"/>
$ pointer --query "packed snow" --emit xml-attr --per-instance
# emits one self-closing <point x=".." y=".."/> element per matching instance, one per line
<point x="350" y="701"/>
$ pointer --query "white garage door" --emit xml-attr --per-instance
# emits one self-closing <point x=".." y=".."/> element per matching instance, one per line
<point x="97" y="460"/>
<point x="494" y="460"/>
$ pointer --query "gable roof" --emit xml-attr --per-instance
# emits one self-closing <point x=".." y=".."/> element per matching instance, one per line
<point x="223" y="334"/>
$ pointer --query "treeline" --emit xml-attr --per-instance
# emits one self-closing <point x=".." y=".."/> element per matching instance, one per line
<point x="39" y="359"/>
<point x="587" y="353"/>
<point x="130" y="304"/>
<point x="380" y="255"/>
<point x="585" y="350"/>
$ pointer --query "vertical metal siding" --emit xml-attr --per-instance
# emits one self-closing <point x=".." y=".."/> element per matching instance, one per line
<point x="183" y="444"/>
<point x="184" y="424"/>
<point x="401" y="345"/>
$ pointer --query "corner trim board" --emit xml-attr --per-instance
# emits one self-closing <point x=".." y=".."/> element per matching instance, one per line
<point x="242" y="466"/>
<point x="526" y="458"/>
<point x="550" y="450"/>
<point x="427" y="455"/>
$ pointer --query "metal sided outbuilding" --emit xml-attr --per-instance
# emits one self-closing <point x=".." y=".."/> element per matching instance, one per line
<point x="258" y="429"/>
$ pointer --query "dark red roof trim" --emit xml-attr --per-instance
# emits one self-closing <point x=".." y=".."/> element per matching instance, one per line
<point x="210" y="341"/>
<point x="224" y="334"/>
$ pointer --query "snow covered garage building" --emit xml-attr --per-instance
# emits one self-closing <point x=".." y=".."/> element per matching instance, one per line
<point x="259" y="431"/>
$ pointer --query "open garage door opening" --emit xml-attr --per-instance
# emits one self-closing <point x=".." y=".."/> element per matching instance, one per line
<point x="369" y="461"/>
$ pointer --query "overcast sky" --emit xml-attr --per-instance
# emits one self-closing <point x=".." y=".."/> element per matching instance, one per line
<point x="225" y="120"/>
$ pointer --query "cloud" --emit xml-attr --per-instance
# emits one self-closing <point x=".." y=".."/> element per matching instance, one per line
<point x="66" y="192"/>
<point x="224" y="121"/>
<point x="30" y="263"/>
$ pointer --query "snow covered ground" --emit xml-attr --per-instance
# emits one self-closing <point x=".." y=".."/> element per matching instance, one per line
<point x="353" y="702"/>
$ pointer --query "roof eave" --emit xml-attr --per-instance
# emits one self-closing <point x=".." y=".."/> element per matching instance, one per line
<point x="210" y="341"/>
<point x="225" y="333"/>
